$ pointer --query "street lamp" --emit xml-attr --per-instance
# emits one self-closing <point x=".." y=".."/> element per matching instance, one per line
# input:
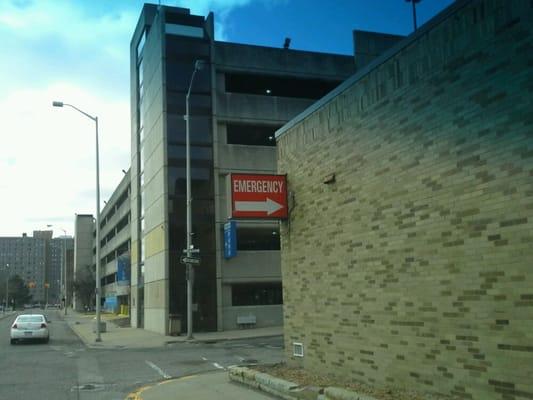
<point x="95" y="119"/>
<point x="198" y="65"/>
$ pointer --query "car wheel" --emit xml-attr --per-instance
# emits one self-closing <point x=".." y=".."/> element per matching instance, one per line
<point x="13" y="341"/>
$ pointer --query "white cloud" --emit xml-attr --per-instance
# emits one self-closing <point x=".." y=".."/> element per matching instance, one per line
<point x="59" y="51"/>
<point x="202" y="7"/>
<point x="221" y="9"/>
<point x="48" y="154"/>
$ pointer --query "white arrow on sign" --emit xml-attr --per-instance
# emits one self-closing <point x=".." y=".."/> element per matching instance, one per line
<point x="269" y="206"/>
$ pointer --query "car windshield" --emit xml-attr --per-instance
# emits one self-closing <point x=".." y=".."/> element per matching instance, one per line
<point x="30" y="318"/>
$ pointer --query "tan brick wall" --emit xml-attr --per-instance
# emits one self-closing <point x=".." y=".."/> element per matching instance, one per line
<point x="415" y="267"/>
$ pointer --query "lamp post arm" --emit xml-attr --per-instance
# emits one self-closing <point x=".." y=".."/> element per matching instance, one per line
<point x="95" y="119"/>
<point x="190" y="84"/>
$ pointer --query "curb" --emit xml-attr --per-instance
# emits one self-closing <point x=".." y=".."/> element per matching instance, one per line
<point x="217" y="340"/>
<point x="289" y="390"/>
<point x="83" y="339"/>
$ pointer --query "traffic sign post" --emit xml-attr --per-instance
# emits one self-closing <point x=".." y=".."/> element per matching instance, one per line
<point x="190" y="260"/>
<point x="259" y="196"/>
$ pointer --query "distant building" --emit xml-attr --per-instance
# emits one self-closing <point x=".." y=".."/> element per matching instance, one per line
<point x="38" y="261"/>
<point x="407" y="258"/>
<point x="115" y="239"/>
<point x="60" y="257"/>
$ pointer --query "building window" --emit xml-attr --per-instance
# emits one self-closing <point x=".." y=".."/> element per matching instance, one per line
<point x="272" y="85"/>
<point x="251" y="135"/>
<point x="184" y="30"/>
<point x="258" y="238"/>
<point x="140" y="45"/>
<point x="256" y="294"/>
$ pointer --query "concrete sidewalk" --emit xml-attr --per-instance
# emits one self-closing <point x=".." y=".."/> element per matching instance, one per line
<point x="209" y="386"/>
<point x="117" y="337"/>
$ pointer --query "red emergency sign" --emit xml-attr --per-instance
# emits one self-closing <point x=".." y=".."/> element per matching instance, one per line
<point x="259" y="196"/>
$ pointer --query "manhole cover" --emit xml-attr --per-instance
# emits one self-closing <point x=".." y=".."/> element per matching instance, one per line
<point x="88" y="387"/>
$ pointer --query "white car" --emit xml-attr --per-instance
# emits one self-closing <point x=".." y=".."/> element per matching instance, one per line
<point x="29" y="327"/>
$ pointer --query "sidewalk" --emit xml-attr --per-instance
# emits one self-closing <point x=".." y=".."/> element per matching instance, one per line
<point x="117" y="337"/>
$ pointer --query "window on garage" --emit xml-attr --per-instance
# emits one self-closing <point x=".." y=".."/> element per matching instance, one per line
<point x="256" y="294"/>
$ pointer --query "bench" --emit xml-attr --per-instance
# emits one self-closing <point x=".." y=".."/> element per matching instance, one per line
<point x="246" y="321"/>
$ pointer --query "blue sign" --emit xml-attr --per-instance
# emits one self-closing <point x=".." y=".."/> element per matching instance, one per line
<point x="123" y="271"/>
<point x="230" y="239"/>
<point x="111" y="304"/>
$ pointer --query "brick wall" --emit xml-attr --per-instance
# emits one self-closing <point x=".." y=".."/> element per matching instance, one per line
<point x="415" y="267"/>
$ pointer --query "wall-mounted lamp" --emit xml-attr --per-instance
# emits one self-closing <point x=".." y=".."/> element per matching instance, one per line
<point x="330" y="178"/>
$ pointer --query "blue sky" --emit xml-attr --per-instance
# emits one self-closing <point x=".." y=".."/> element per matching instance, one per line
<point x="77" y="51"/>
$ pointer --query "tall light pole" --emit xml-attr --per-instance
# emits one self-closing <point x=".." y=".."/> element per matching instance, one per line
<point x="198" y="65"/>
<point x="95" y="119"/>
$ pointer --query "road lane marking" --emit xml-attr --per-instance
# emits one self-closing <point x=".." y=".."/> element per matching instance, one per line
<point x="158" y="370"/>
<point x="203" y="358"/>
<point x="183" y="378"/>
<point x="217" y="365"/>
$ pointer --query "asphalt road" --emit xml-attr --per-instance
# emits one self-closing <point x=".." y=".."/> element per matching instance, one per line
<point x="65" y="369"/>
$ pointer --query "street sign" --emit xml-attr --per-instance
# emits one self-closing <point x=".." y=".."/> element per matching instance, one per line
<point x="194" y="251"/>
<point x="259" y="196"/>
<point x="189" y="260"/>
<point x="230" y="239"/>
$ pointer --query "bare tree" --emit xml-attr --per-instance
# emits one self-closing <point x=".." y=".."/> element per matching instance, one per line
<point x="84" y="286"/>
